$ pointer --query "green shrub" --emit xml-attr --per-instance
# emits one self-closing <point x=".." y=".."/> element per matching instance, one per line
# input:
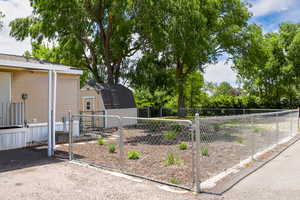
<point x="227" y="134"/>
<point x="183" y="146"/>
<point x="133" y="155"/>
<point x="256" y="130"/>
<point x="170" y="136"/>
<point x="174" y="181"/>
<point x="177" y="128"/>
<point x="239" y="139"/>
<point x="111" y="148"/>
<point x="173" y="160"/>
<point x="100" y="141"/>
<point x="204" y="151"/>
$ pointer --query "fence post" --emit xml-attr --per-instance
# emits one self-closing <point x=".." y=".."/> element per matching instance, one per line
<point x="121" y="144"/>
<point x="291" y="125"/>
<point x="70" y="136"/>
<point x="252" y="138"/>
<point x="196" y="153"/>
<point x="161" y="112"/>
<point x="277" y="128"/>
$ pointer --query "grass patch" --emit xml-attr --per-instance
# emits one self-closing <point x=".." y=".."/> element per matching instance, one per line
<point x="257" y="130"/>
<point x="173" y="160"/>
<point x="177" y="128"/>
<point x="183" y="146"/>
<point x="111" y="148"/>
<point x="204" y="151"/>
<point x="101" y="141"/>
<point x="174" y="181"/>
<point x="133" y="155"/>
<point x="227" y="134"/>
<point x="169" y="136"/>
<point x="239" y="139"/>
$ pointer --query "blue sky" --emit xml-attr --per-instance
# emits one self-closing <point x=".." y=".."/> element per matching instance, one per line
<point x="268" y="13"/>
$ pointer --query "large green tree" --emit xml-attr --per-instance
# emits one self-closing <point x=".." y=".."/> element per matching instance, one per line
<point x="188" y="34"/>
<point x="100" y="33"/>
<point x="269" y="65"/>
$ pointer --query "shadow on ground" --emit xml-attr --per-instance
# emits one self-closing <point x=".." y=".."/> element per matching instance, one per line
<point x="24" y="158"/>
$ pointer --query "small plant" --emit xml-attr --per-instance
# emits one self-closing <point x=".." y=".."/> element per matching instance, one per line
<point x="100" y="141"/>
<point x="169" y="136"/>
<point x="183" y="146"/>
<point x="177" y="128"/>
<point x="173" y="160"/>
<point x="239" y="139"/>
<point x="111" y="148"/>
<point x="227" y="134"/>
<point x="174" y="181"/>
<point x="204" y="151"/>
<point x="133" y="155"/>
<point x="256" y="130"/>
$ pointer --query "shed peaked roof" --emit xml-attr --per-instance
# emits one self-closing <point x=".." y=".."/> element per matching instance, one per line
<point x="15" y="61"/>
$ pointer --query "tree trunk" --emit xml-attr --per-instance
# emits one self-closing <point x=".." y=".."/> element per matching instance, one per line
<point x="181" y="95"/>
<point x="110" y="75"/>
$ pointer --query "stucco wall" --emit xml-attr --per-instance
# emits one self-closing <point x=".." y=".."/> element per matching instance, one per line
<point x="35" y="84"/>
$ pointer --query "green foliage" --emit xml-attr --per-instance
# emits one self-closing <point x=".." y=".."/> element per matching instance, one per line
<point x="239" y="139"/>
<point x="171" y="159"/>
<point x="174" y="181"/>
<point x="204" y="151"/>
<point x="101" y="141"/>
<point x="111" y="148"/>
<point x="177" y="128"/>
<point x="133" y="155"/>
<point x="183" y="146"/>
<point x="257" y="130"/>
<point x="184" y="42"/>
<point x="169" y="136"/>
<point x="268" y="65"/>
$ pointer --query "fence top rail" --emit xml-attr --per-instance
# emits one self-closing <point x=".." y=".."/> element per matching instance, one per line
<point x="158" y="119"/>
<point x="104" y="116"/>
<point x="247" y="115"/>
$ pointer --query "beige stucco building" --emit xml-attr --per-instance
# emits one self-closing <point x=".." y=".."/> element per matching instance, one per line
<point x="34" y="92"/>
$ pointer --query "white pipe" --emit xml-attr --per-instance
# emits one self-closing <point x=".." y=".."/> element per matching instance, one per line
<point x="54" y="110"/>
<point x="49" y="113"/>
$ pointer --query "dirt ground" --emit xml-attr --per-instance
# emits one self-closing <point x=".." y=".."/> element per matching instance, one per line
<point x="68" y="181"/>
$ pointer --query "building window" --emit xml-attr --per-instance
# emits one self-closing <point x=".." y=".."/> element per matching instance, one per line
<point x="88" y="105"/>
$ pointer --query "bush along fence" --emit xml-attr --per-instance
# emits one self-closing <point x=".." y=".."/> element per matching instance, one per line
<point x="192" y="155"/>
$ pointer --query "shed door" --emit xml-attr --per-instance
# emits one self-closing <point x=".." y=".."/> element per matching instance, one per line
<point x="5" y="87"/>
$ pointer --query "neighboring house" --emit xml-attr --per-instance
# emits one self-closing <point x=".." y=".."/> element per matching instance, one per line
<point x="34" y="94"/>
<point x="109" y="100"/>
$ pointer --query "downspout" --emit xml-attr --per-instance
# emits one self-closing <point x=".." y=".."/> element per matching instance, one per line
<point x="49" y="113"/>
<point x="54" y="111"/>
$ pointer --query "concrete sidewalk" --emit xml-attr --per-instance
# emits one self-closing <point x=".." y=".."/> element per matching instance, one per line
<point x="278" y="179"/>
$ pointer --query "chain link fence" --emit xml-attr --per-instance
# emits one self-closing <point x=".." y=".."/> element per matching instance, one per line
<point x="182" y="153"/>
<point x="150" y="112"/>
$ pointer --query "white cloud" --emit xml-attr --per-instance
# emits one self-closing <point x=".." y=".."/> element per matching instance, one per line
<point x="264" y="7"/>
<point x="220" y="72"/>
<point x="13" y="9"/>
